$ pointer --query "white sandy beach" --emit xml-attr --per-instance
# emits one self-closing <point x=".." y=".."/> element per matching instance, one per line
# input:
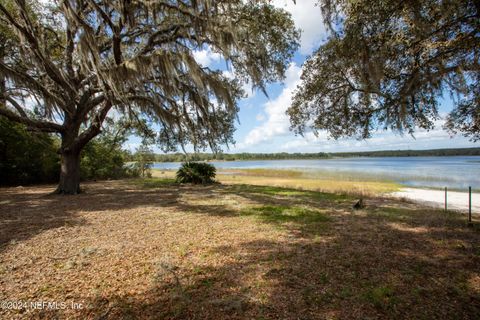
<point x="436" y="198"/>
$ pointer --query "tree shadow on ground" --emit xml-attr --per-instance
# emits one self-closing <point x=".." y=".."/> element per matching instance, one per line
<point x="398" y="274"/>
<point x="26" y="212"/>
<point x="385" y="262"/>
<point x="382" y="262"/>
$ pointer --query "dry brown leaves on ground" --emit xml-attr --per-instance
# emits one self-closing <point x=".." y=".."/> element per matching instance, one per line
<point x="125" y="250"/>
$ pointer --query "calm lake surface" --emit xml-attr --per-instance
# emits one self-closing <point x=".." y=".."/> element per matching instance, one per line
<point x="434" y="172"/>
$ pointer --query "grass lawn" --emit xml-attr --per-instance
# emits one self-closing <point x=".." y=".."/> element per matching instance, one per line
<point x="143" y="249"/>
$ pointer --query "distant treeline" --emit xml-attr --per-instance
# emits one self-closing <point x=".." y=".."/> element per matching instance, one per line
<point x="412" y="153"/>
<point x="180" y="157"/>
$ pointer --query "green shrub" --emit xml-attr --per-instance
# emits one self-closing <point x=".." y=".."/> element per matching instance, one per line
<point x="196" y="172"/>
<point x="29" y="157"/>
<point x="26" y="156"/>
<point x="100" y="159"/>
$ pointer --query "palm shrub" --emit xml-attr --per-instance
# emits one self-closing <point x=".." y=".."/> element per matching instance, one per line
<point x="196" y="172"/>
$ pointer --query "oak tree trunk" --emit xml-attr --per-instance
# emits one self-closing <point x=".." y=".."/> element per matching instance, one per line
<point x="2" y="78"/>
<point x="69" y="173"/>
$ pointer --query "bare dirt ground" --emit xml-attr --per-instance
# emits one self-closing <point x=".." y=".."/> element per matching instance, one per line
<point x="155" y="250"/>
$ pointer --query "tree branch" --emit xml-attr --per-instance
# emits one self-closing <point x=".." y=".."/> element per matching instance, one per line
<point x="31" y="38"/>
<point x="34" y="83"/>
<point x="116" y="39"/>
<point x="38" y="124"/>
<point x="89" y="105"/>
<point x="94" y="128"/>
<point x="16" y="106"/>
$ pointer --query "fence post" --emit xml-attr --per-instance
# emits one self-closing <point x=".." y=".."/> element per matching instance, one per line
<point x="445" y="199"/>
<point x="469" y="206"/>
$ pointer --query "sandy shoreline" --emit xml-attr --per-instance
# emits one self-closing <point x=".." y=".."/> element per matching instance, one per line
<point x="436" y="198"/>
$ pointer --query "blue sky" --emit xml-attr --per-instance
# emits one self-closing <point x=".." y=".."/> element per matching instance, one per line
<point x="264" y="127"/>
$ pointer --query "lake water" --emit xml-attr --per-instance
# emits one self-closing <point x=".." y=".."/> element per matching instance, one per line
<point x="435" y="172"/>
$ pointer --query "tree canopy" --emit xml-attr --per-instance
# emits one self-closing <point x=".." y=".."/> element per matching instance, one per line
<point x="79" y="59"/>
<point x="386" y="65"/>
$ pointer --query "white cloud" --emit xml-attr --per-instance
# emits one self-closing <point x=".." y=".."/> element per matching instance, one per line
<point x="381" y="140"/>
<point x="274" y="135"/>
<point x="206" y="57"/>
<point x="308" y="17"/>
<point x="260" y="117"/>
<point x="277" y="122"/>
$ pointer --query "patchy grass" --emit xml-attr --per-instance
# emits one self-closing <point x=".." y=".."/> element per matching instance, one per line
<point x="143" y="249"/>
<point x="381" y="297"/>
<point x="165" y="174"/>
<point x="295" y="180"/>
<point x="366" y="188"/>
<point x="287" y="192"/>
<point x="152" y="183"/>
<point x="282" y="214"/>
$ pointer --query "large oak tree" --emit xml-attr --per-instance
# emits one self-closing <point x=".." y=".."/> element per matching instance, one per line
<point x="387" y="63"/>
<point x="81" y="59"/>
